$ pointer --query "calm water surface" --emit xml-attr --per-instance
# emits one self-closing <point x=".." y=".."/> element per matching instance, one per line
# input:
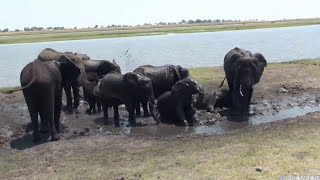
<point x="189" y="50"/>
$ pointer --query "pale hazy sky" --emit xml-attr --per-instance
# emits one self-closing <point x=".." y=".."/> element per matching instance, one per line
<point x="84" y="13"/>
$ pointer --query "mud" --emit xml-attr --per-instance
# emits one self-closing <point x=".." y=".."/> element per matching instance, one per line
<point x="274" y="99"/>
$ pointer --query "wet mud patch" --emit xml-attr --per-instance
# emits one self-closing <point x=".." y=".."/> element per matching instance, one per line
<point x="14" y="130"/>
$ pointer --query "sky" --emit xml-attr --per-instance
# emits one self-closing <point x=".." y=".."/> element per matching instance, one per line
<point x="16" y="14"/>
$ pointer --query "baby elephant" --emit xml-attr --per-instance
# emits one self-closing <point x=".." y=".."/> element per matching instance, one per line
<point x="176" y="106"/>
<point x="208" y="101"/>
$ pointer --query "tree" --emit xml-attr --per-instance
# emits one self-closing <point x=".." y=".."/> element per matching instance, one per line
<point x="209" y="21"/>
<point x="190" y="21"/>
<point x="26" y="29"/>
<point x="75" y="28"/>
<point x="17" y="30"/>
<point x="183" y="21"/>
<point x="96" y="26"/>
<point x="198" y="21"/>
<point x="5" y="30"/>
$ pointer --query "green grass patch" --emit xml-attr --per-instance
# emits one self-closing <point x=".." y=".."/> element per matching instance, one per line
<point x="63" y="35"/>
<point x="6" y="89"/>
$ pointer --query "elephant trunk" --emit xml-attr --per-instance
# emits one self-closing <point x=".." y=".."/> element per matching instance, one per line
<point x="151" y="103"/>
<point x="85" y="83"/>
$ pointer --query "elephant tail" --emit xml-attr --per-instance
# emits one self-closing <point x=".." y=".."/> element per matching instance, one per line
<point x="221" y="84"/>
<point x="151" y="109"/>
<point x="34" y="78"/>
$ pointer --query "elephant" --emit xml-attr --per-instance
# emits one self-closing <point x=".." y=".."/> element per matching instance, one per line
<point x="96" y="69"/>
<point x="41" y="83"/>
<point x="243" y="70"/>
<point x="115" y="88"/>
<point x="209" y="101"/>
<point x="175" y="107"/>
<point x="162" y="77"/>
<point x="49" y="54"/>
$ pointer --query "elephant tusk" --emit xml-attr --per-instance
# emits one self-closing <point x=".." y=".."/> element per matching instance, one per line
<point x="241" y="90"/>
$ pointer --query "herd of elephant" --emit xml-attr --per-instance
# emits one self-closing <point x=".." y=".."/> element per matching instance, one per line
<point x="169" y="87"/>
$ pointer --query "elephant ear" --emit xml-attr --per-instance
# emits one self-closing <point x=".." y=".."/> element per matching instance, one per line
<point x="260" y="63"/>
<point x="131" y="79"/>
<point x="177" y="73"/>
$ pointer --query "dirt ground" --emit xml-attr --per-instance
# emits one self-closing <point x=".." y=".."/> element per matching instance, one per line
<point x="286" y="91"/>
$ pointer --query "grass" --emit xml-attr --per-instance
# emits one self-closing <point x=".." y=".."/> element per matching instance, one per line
<point x="6" y="89"/>
<point x="279" y="150"/>
<point x="63" y="35"/>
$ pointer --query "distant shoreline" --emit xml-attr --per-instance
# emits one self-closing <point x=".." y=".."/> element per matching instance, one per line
<point x="82" y="34"/>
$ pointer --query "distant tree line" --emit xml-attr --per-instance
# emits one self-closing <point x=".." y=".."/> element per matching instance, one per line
<point x="197" y="21"/>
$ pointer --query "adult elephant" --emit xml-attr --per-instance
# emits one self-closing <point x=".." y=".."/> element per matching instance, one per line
<point x="49" y="54"/>
<point x="175" y="107"/>
<point x="127" y="89"/>
<point x="96" y="69"/>
<point x="42" y="81"/>
<point x="163" y="79"/>
<point x="243" y="70"/>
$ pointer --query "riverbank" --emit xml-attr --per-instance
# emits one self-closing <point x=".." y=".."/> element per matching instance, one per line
<point x="64" y="35"/>
<point x="268" y="151"/>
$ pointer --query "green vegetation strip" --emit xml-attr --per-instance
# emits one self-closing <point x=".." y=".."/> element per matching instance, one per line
<point x="11" y="38"/>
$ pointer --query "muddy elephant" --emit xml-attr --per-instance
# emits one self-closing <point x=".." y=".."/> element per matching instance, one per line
<point x="42" y="82"/>
<point x="243" y="70"/>
<point x="127" y="88"/>
<point x="96" y="69"/>
<point x="175" y="107"/>
<point x="49" y="54"/>
<point x="218" y="98"/>
<point x="163" y="78"/>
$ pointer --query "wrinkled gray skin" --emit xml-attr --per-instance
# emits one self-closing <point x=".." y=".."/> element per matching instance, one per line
<point x="175" y="107"/>
<point x="243" y="70"/>
<point x="209" y="101"/>
<point x="163" y="78"/>
<point x="49" y="54"/>
<point x="127" y="89"/>
<point x="42" y="88"/>
<point x="96" y="69"/>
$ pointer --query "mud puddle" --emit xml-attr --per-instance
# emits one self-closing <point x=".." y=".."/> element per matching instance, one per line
<point x="263" y="111"/>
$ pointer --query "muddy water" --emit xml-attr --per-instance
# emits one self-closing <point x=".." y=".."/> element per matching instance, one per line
<point x="261" y="112"/>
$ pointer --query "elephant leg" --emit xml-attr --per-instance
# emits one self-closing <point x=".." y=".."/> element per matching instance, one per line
<point x="98" y="105"/>
<point x="105" y="112"/>
<point x="33" y="111"/>
<point x="44" y="123"/>
<point x="94" y="110"/>
<point x="67" y="89"/>
<point x="57" y="109"/>
<point x="76" y="95"/>
<point x="138" y="111"/>
<point x="85" y="95"/>
<point x="145" y="108"/>
<point x="132" y="118"/>
<point x="180" y="114"/>
<point x="34" y="120"/>
<point x="236" y="107"/>
<point x="116" y="115"/>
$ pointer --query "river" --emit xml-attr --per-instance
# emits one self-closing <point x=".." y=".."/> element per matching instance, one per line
<point x="189" y="50"/>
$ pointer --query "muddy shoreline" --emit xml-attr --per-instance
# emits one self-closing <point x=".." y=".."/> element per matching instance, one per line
<point x="274" y="99"/>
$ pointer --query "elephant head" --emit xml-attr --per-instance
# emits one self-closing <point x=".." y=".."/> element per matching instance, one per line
<point x="106" y="67"/>
<point x="72" y="69"/>
<point x="180" y="72"/>
<point x="141" y="87"/>
<point x="187" y="87"/>
<point x="243" y="70"/>
<point x="83" y="56"/>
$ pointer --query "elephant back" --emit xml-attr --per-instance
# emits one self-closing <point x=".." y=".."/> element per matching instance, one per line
<point x="162" y="77"/>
